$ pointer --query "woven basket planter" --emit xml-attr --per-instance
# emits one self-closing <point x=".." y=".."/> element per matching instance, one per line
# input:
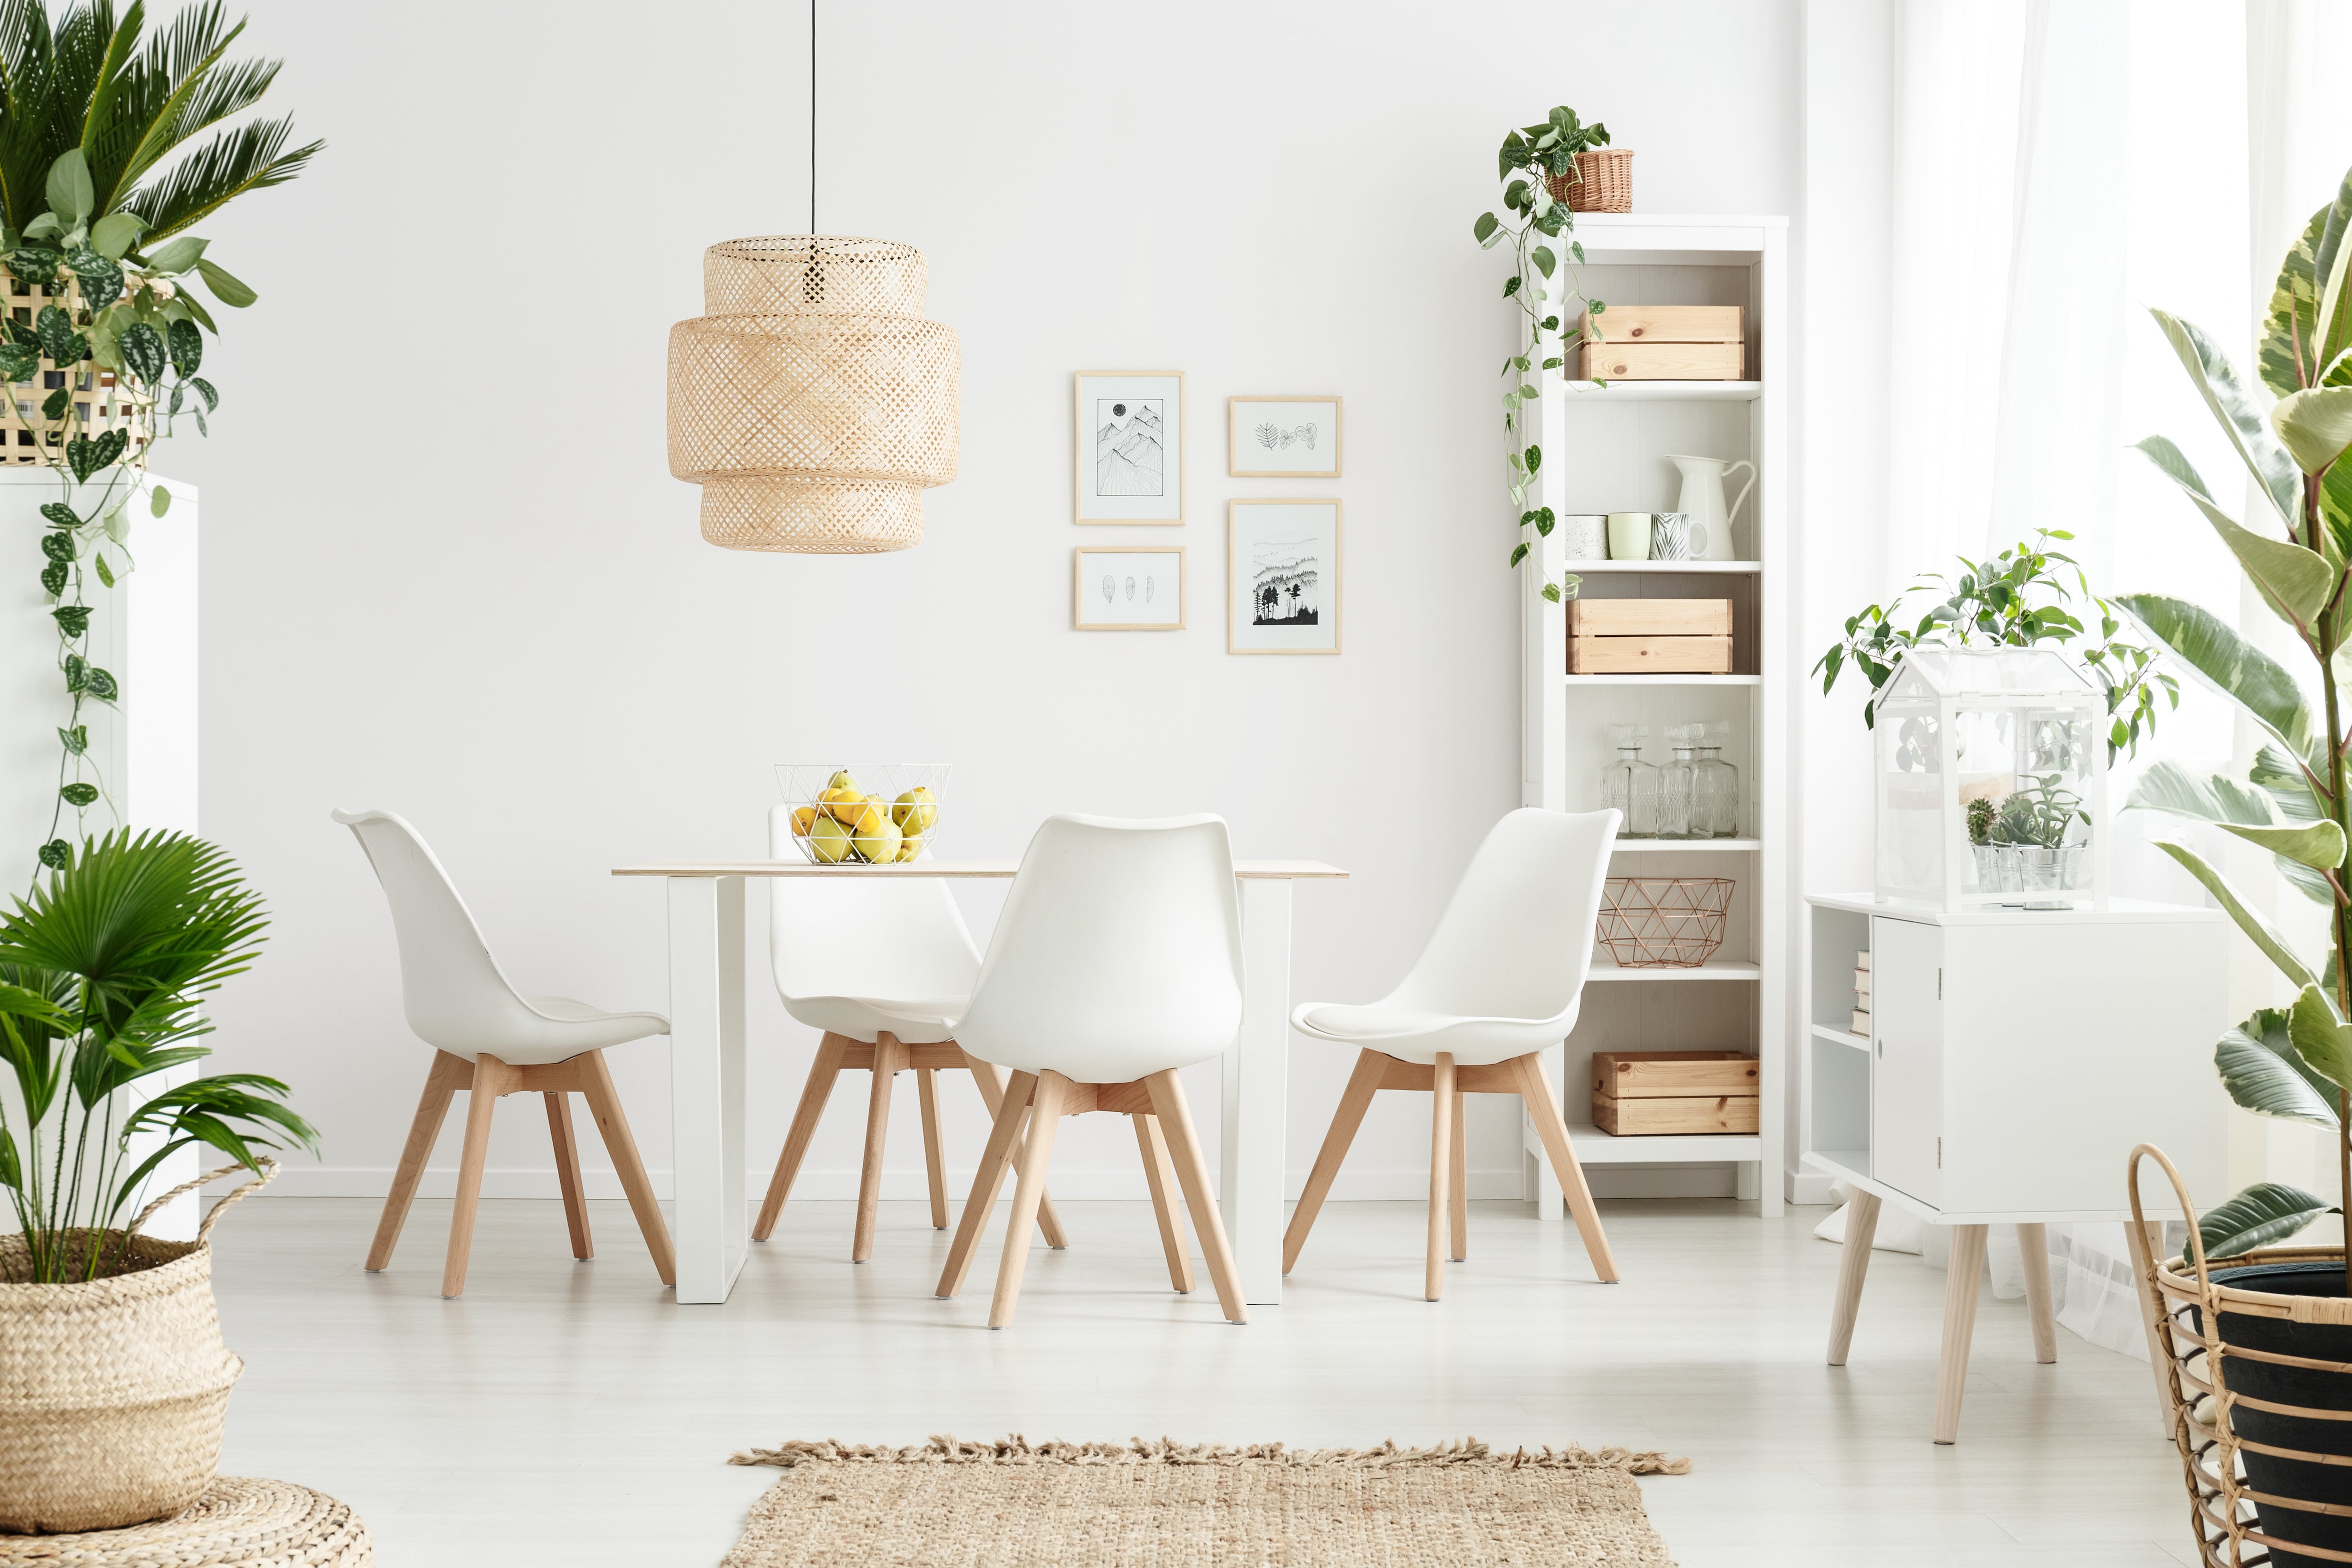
<point x="113" y="1392"/>
<point x="2257" y="1378"/>
<point x="101" y="404"/>
<point x="1602" y="182"/>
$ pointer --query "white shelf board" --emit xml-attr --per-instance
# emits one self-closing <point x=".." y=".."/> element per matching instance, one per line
<point x="1843" y="1036"/>
<point x="1684" y="846"/>
<point x="1605" y="968"/>
<point x="1666" y="392"/>
<point x="1595" y="1146"/>
<point x="1663" y="680"/>
<point x="1687" y="567"/>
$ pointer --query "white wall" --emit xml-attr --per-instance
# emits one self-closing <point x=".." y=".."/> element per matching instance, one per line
<point x="447" y="573"/>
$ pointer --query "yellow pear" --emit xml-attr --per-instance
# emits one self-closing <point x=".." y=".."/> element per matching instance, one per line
<point x="802" y="819"/>
<point x="909" y="846"/>
<point x="881" y="840"/>
<point x="829" y="840"/>
<point x="915" y="811"/>
<point x="842" y="780"/>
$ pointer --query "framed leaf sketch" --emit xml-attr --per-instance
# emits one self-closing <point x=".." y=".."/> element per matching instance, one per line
<point x="1282" y="437"/>
<point x="1282" y="577"/>
<point x="1128" y="588"/>
<point x="1129" y="437"/>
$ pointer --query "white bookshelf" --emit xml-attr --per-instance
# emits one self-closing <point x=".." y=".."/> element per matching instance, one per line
<point x="1604" y="451"/>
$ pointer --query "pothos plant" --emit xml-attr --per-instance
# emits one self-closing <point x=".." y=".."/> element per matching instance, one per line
<point x="1531" y="158"/>
<point x="93" y="215"/>
<point x="2019" y="599"/>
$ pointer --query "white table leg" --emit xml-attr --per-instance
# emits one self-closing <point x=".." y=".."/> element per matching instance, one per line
<point x="706" y="1083"/>
<point x="1256" y="1095"/>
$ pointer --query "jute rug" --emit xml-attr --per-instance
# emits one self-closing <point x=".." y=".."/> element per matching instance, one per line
<point x="239" y="1522"/>
<point x="950" y="1504"/>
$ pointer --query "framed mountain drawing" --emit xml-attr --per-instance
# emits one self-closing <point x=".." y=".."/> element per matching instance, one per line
<point x="1131" y="446"/>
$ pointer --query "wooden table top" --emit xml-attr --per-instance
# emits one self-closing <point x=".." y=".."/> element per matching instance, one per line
<point x="1267" y="871"/>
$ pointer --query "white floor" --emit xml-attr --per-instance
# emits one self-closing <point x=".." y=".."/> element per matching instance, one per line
<point x="567" y="1413"/>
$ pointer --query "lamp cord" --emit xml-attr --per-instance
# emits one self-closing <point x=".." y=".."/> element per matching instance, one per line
<point x="812" y="116"/>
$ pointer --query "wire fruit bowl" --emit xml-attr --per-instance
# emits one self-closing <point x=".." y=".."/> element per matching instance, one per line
<point x="1663" y="922"/>
<point x="874" y="813"/>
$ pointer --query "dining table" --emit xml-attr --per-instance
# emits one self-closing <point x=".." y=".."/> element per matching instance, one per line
<point x="711" y="1222"/>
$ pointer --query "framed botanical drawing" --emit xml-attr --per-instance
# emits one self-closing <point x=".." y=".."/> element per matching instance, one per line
<point x="1128" y="588"/>
<point x="1282" y="437"/>
<point x="1282" y="577"/>
<point x="1131" y="446"/>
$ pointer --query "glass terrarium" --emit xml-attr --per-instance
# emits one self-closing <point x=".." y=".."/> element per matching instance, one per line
<point x="1992" y="781"/>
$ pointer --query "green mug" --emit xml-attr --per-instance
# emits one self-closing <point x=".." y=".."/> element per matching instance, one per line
<point x="1629" y="536"/>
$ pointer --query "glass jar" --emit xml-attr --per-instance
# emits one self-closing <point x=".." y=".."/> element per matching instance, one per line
<point x="1674" y="780"/>
<point x="1715" y="787"/>
<point x="1630" y="784"/>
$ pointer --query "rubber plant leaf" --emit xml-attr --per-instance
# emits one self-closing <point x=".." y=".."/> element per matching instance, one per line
<point x="2261" y="1072"/>
<point x="2316" y="424"/>
<point x="2218" y="383"/>
<point x="2294" y="581"/>
<point x="2258" y="930"/>
<point x="2211" y="650"/>
<point x="2264" y="1213"/>
<point x="2319" y="845"/>
<point x="2320" y="1038"/>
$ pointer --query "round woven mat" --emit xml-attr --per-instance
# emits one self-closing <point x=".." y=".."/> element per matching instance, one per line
<point x="239" y="1522"/>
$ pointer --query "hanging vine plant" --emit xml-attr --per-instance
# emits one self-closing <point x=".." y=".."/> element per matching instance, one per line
<point x="1536" y="163"/>
<point x="104" y="328"/>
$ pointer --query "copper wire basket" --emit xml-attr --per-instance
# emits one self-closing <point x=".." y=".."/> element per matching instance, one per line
<point x="1663" y="922"/>
<point x="1602" y="182"/>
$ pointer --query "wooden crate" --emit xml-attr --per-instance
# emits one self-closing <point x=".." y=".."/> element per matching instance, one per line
<point x="1649" y="618"/>
<point x="1665" y="361"/>
<point x="1669" y="323"/>
<point x="1650" y="655"/>
<point x="1638" y="1094"/>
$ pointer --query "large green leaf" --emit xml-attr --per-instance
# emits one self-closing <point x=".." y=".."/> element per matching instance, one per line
<point x="2319" y="845"/>
<point x="2168" y="787"/>
<point x="2211" y="650"/>
<point x="2261" y="1072"/>
<point x="2294" y="581"/>
<point x="2320" y="1038"/>
<point x="2248" y="431"/>
<point x="2264" y="1213"/>
<point x="2286" y="357"/>
<point x="2258" y="929"/>
<point x="2316" y="424"/>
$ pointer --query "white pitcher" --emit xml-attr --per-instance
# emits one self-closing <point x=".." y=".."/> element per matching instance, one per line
<point x="1702" y="498"/>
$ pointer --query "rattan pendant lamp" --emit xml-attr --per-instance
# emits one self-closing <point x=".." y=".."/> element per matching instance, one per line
<point x="811" y="400"/>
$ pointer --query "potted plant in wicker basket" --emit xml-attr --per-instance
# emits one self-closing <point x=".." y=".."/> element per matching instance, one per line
<point x="113" y="1378"/>
<point x="2258" y="1343"/>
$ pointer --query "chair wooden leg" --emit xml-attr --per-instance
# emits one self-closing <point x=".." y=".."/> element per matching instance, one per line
<point x="1175" y="1119"/>
<point x="2033" y="1247"/>
<point x="988" y="1078"/>
<point x="1441" y="1171"/>
<point x="567" y="1173"/>
<point x="604" y="1105"/>
<point x="1459" y="1187"/>
<point x="813" y="1095"/>
<point x="1959" y="1327"/>
<point x="1860" y="1229"/>
<point x="1003" y="1136"/>
<point x="491" y="1078"/>
<point x="1161" y="1178"/>
<point x="1354" y="1101"/>
<point x="1044" y="1121"/>
<point x="447" y="1075"/>
<point x="889" y="1056"/>
<point x="934" y="1165"/>
<point x="1544" y="1111"/>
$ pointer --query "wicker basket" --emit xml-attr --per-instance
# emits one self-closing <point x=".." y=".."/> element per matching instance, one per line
<point x="113" y="1392"/>
<point x="98" y="402"/>
<point x="1602" y="182"/>
<point x="2251" y="1495"/>
<point x="1663" y="922"/>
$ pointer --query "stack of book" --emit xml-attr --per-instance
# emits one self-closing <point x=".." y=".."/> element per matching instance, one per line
<point x="1861" y="993"/>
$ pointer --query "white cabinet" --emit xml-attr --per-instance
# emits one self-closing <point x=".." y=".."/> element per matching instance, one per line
<point x="1907" y="1102"/>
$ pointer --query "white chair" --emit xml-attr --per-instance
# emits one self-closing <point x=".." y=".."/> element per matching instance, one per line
<point x="489" y="1041"/>
<point x="1116" y="960"/>
<point x="880" y="965"/>
<point x="1497" y="985"/>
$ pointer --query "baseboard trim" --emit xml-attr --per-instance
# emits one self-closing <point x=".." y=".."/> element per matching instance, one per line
<point x="1809" y="1190"/>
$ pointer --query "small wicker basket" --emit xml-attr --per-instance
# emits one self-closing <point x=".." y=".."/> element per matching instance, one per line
<point x="1602" y="182"/>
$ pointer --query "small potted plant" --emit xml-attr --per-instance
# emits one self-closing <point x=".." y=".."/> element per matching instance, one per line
<point x="1575" y="168"/>
<point x="1981" y="812"/>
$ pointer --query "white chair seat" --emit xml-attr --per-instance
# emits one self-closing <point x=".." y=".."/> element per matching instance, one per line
<point x="919" y="1021"/>
<point x="571" y="1027"/>
<point x="1411" y="1035"/>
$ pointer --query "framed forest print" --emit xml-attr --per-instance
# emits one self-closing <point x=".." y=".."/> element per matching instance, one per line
<point x="1282" y="577"/>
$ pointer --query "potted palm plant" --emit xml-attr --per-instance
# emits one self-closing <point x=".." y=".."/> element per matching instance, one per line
<point x="115" y="1380"/>
<point x="2274" y="1324"/>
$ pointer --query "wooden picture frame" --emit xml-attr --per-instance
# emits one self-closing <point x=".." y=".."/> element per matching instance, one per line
<point x="1120" y="592"/>
<point x="1289" y="550"/>
<point x="1127" y="441"/>
<point x="1255" y="428"/>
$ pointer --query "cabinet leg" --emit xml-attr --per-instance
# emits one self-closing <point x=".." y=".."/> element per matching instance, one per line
<point x="1959" y="1327"/>
<point x="2033" y="1247"/>
<point x="1860" y="1229"/>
